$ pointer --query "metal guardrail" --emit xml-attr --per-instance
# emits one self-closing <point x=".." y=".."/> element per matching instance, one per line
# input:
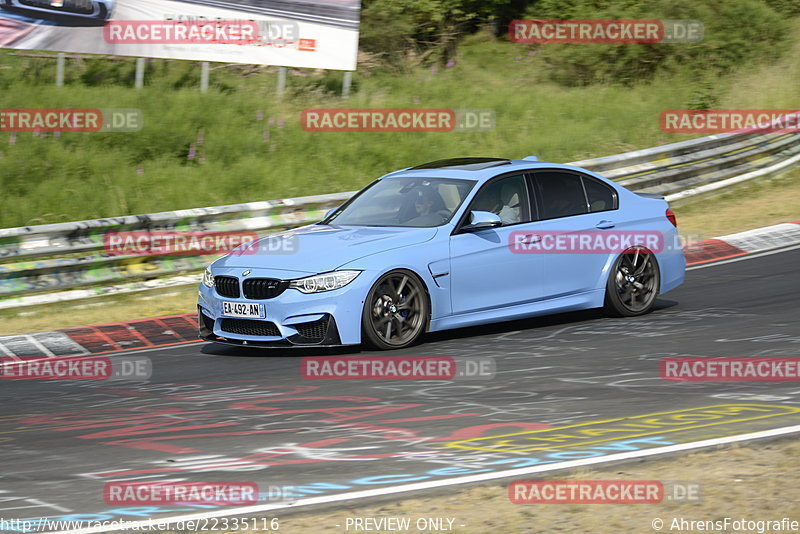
<point x="69" y="255"/>
<point x="65" y="256"/>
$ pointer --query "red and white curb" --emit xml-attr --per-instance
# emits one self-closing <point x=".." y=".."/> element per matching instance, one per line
<point x="102" y="339"/>
<point x="740" y="244"/>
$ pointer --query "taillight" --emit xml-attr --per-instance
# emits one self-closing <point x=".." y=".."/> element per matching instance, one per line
<point x="671" y="217"/>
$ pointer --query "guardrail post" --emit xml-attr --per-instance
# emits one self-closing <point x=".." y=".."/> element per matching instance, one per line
<point x="139" y="72"/>
<point x="204" y="72"/>
<point x="61" y="63"/>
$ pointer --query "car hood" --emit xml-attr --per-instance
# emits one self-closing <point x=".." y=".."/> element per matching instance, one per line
<point x="320" y="248"/>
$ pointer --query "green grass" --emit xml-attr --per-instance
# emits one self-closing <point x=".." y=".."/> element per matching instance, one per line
<point x="753" y="204"/>
<point x="250" y="145"/>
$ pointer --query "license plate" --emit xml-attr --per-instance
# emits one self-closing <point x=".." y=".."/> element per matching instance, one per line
<point x="242" y="309"/>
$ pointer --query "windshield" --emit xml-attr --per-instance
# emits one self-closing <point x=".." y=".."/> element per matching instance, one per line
<point x="404" y="201"/>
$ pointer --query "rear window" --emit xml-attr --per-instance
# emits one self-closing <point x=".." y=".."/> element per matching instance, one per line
<point x="560" y="194"/>
<point x="600" y="196"/>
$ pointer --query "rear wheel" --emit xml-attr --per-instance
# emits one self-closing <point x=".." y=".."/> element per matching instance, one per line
<point x="633" y="283"/>
<point x="396" y="311"/>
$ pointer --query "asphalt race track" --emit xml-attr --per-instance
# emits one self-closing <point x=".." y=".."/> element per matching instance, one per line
<point x="219" y="413"/>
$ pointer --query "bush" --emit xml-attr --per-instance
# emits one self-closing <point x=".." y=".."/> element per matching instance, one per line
<point x="735" y="32"/>
<point x="387" y="31"/>
<point x="787" y="7"/>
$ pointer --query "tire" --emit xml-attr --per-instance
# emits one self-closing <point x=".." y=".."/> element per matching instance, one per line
<point x="633" y="283"/>
<point x="395" y="312"/>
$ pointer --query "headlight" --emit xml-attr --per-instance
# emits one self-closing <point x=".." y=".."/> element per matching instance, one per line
<point x="324" y="282"/>
<point x="208" y="278"/>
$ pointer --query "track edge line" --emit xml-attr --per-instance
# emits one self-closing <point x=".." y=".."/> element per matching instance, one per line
<point x="497" y="475"/>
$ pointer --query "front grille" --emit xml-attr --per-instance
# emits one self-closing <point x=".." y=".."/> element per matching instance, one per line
<point x="227" y="286"/>
<point x="263" y="288"/>
<point x="83" y="7"/>
<point x="313" y="331"/>
<point x="247" y="327"/>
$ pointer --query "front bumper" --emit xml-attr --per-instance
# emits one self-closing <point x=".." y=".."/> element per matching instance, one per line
<point x="330" y="318"/>
<point x="320" y="333"/>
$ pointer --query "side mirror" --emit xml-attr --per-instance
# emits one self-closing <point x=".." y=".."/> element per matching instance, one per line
<point x="482" y="219"/>
<point x="329" y="213"/>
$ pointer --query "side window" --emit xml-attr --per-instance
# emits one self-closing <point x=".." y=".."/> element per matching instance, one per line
<point x="600" y="196"/>
<point x="507" y="197"/>
<point x="559" y="194"/>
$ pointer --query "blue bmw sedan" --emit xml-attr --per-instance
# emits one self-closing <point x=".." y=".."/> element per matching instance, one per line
<point x="448" y="244"/>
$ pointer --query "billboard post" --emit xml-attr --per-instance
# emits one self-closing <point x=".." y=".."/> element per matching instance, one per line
<point x="61" y="61"/>
<point x="204" y="71"/>
<point x="281" y="81"/>
<point x="139" y="72"/>
<point x="346" y="83"/>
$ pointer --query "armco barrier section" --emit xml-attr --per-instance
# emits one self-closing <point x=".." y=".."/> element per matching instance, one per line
<point x="67" y="256"/>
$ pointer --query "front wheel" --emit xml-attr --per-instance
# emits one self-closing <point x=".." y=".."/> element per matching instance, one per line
<point x="633" y="283"/>
<point x="395" y="311"/>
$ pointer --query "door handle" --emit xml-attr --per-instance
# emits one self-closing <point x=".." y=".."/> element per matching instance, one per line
<point x="604" y="225"/>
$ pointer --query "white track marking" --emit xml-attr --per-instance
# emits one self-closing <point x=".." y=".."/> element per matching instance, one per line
<point x="742" y="258"/>
<point x="36" y="343"/>
<point x="7" y="352"/>
<point x="763" y="239"/>
<point x="419" y="486"/>
<point x="123" y="352"/>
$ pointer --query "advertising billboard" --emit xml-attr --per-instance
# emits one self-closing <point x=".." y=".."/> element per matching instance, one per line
<point x="293" y="33"/>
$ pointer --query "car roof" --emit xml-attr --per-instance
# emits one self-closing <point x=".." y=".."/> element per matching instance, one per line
<point x="477" y="169"/>
<point x="464" y="164"/>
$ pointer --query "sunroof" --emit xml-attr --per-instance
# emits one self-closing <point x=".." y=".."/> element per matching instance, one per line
<point x="464" y="164"/>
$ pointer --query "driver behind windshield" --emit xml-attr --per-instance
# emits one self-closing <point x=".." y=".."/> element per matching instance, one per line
<point x="429" y="206"/>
